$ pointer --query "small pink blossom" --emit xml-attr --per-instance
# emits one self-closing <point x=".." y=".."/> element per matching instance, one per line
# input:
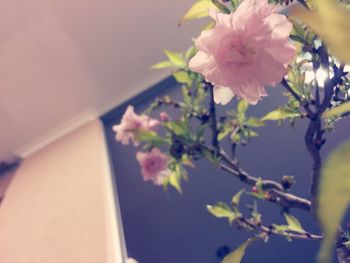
<point x="245" y="51"/>
<point x="154" y="165"/>
<point x="164" y="117"/>
<point x="130" y="122"/>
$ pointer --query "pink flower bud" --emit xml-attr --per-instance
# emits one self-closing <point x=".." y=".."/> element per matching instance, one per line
<point x="164" y="117"/>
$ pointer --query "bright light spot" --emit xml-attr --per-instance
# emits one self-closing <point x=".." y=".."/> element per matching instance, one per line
<point x="309" y="76"/>
<point x="321" y="76"/>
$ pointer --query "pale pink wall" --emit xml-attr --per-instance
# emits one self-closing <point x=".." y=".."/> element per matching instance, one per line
<point x="59" y="207"/>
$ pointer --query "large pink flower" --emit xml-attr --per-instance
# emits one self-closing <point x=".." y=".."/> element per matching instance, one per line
<point x="245" y="51"/>
<point x="130" y="122"/>
<point x="154" y="165"/>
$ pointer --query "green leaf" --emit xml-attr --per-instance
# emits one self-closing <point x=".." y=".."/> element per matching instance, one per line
<point x="150" y="137"/>
<point x="283" y="229"/>
<point x="175" y="179"/>
<point x="334" y="197"/>
<point x="227" y="129"/>
<point x="190" y="52"/>
<point x="175" y="59"/>
<point x="254" y="122"/>
<point x="242" y="106"/>
<point x="293" y="223"/>
<point x="145" y="135"/>
<point x="337" y="111"/>
<point x="297" y="38"/>
<point x="279" y="114"/>
<point x="236" y="198"/>
<point x="222" y="210"/>
<point x="185" y="160"/>
<point x="163" y="64"/>
<point x="176" y="128"/>
<point x="182" y="77"/>
<point x="198" y="10"/>
<point x="237" y="255"/>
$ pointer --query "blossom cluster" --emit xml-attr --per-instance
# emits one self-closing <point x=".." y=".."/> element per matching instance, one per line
<point x="154" y="164"/>
<point x="245" y="51"/>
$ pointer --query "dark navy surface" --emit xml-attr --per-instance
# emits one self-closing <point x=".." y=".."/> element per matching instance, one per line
<point x="166" y="227"/>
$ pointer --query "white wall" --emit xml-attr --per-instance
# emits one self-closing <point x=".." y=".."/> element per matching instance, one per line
<point x="59" y="207"/>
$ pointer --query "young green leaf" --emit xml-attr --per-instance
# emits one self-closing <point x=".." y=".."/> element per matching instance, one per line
<point x="337" y="111"/>
<point x="145" y="135"/>
<point x="236" y="198"/>
<point x="279" y="114"/>
<point x="226" y="130"/>
<point x="176" y="128"/>
<point x="254" y="122"/>
<point x="163" y="64"/>
<point x="175" y="59"/>
<point x="334" y="197"/>
<point x="242" y="106"/>
<point x="198" y="10"/>
<point x="293" y="223"/>
<point x="237" y="255"/>
<point x="182" y="77"/>
<point x="174" y="180"/>
<point x="190" y="53"/>
<point x="222" y="210"/>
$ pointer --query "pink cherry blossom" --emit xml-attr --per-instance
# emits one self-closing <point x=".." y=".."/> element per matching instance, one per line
<point x="154" y="165"/>
<point x="245" y="51"/>
<point x="130" y="122"/>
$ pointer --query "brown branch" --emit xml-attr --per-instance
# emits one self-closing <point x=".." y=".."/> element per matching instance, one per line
<point x="304" y="104"/>
<point x="289" y="200"/>
<point x="270" y="230"/>
<point x="275" y="190"/>
<point x="213" y="122"/>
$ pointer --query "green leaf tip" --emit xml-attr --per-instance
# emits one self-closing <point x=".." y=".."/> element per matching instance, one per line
<point x="333" y="197"/>
<point x="237" y="255"/>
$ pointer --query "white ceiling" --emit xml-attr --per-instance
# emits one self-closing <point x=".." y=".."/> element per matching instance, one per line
<point x="63" y="59"/>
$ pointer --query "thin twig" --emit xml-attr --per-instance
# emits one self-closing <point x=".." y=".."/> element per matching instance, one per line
<point x="275" y="190"/>
<point x="213" y="122"/>
<point x="270" y="230"/>
<point x="302" y="103"/>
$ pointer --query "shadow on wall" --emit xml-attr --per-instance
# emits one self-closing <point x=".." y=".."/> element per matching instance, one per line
<point x="7" y="171"/>
<point x="168" y="227"/>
